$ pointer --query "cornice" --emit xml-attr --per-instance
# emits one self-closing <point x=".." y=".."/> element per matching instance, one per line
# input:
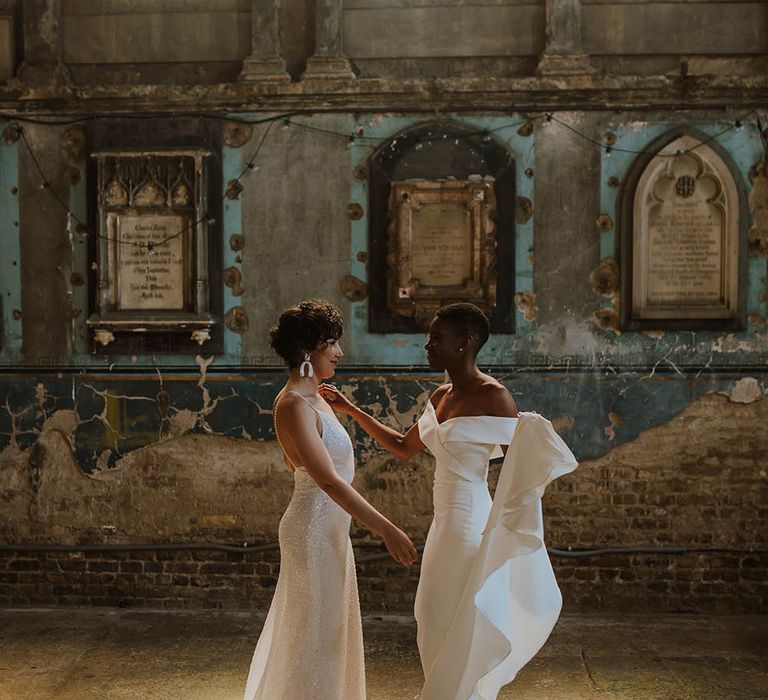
<point x="600" y="92"/>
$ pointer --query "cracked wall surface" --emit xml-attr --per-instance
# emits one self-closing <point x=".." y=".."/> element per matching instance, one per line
<point x="98" y="447"/>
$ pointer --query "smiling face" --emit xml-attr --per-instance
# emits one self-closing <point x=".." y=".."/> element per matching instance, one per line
<point x="325" y="357"/>
<point x="444" y="345"/>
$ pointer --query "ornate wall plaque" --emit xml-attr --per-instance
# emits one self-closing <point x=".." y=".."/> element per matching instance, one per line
<point x="441" y="222"/>
<point x="685" y="256"/>
<point x="442" y="246"/>
<point x="150" y="278"/>
<point x="152" y="255"/>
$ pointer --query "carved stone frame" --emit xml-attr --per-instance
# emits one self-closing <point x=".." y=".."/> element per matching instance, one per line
<point x="407" y="295"/>
<point x="194" y="320"/>
<point x="630" y="320"/>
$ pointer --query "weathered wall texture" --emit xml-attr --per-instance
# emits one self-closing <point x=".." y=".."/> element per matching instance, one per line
<point x="158" y="451"/>
<point x="698" y="480"/>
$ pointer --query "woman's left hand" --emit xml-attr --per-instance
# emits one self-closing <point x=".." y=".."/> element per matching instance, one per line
<point x="335" y="399"/>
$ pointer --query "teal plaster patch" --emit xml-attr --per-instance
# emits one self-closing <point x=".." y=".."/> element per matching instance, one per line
<point x="10" y="261"/>
<point x="406" y="349"/>
<point x="683" y="348"/>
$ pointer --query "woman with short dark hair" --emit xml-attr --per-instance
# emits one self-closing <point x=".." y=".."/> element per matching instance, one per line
<point x="311" y="646"/>
<point x="487" y="598"/>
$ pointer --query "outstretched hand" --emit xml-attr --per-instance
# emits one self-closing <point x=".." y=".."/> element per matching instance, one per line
<point x="400" y="547"/>
<point x="335" y="399"/>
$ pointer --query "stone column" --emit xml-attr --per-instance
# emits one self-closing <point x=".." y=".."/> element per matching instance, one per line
<point x="43" y="45"/>
<point x="563" y="52"/>
<point x="328" y="61"/>
<point x="265" y="62"/>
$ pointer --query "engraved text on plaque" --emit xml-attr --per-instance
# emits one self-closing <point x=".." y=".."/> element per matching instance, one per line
<point x="150" y="262"/>
<point x="685" y="246"/>
<point x="441" y="243"/>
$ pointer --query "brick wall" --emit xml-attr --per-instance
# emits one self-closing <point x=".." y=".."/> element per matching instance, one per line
<point x="697" y="481"/>
<point x="704" y="583"/>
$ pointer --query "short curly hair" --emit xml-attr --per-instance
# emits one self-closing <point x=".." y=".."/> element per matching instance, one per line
<point x="467" y="319"/>
<point x="304" y="327"/>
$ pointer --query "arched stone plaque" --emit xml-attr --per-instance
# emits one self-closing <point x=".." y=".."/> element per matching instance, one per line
<point x="683" y="240"/>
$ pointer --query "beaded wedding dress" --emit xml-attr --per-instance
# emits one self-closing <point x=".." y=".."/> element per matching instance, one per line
<point x="487" y="597"/>
<point x="311" y="647"/>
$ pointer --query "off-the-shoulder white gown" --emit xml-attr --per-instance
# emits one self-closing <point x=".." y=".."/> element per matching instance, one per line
<point x="487" y="597"/>
<point x="311" y="647"/>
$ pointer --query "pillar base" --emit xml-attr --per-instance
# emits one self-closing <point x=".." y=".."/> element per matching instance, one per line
<point x="552" y="63"/>
<point x="264" y="69"/>
<point x="328" y="68"/>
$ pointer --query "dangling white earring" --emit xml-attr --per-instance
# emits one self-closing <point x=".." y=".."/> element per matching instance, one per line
<point x="306" y="367"/>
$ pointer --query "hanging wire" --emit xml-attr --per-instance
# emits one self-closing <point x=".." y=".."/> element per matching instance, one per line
<point x="287" y="120"/>
<point x="149" y="245"/>
<point x="611" y="148"/>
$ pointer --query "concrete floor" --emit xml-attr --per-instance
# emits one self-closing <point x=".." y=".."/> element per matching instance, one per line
<point x="85" y="654"/>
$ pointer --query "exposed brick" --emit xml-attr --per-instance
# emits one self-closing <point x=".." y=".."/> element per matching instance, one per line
<point x="131" y="567"/>
<point x="101" y="565"/>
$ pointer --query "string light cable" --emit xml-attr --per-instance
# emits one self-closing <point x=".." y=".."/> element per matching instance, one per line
<point x="288" y="121"/>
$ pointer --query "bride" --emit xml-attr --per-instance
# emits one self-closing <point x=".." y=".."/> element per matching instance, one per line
<point x="311" y="646"/>
<point x="487" y="598"/>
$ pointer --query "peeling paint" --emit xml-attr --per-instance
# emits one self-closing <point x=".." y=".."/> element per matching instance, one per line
<point x="232" y="279"/>
<point x="607" y="320"/>
<point x="604" y="223"/>
<point x="746" y="390"/>
<point x="605" y="279"/>
<point x="562" y="424"/>
<point x="730" y="343"/>
<point x="236" y="134"/>
<point x="758" y="201"/>
<point x="523" y="210"/>
<point x="526" y="129"/>
<point x="354" y="211"/>
<point x="73" y="143"/>
<point x="236" y="319"/>
<point x="11" y="134"/>
<point x="353" y="288"/>
<point x="234" y="189"/>
<point x="526" y="304"/>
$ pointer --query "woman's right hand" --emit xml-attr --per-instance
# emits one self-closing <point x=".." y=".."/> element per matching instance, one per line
<point x="399" y="546"/>
<point x="335" y="399"/>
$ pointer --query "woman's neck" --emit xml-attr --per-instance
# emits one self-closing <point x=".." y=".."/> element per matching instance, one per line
<point x="302" y="385"/>
<point x="464" y="376"/>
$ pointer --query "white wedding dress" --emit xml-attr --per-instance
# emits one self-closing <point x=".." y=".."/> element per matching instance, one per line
<point x="487" y="597"/>
<point x="311" y="647"/>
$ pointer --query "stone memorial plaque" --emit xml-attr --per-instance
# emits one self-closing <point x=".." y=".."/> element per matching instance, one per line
<point x="150" y="262"/>
<point x="152" y="256"/>
<point x="685" y="244"/>
<point x="441" y="244"/>
<point x="685" y="254"/>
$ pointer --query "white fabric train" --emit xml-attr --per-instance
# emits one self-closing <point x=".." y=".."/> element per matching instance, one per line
<point x="487" y="598"/>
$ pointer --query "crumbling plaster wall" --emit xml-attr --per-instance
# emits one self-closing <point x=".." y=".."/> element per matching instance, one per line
<point x="602" y="389"/>
<point x="100" y="448"/>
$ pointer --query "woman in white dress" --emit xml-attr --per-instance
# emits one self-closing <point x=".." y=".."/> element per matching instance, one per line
<point x="311" y="646"/>
<point x="487" y="598"/>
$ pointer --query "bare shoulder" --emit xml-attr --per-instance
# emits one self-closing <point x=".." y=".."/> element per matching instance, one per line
<point x="291" y="408"/>
<point x="438" y="394"/>
<point x="498" y="400"/>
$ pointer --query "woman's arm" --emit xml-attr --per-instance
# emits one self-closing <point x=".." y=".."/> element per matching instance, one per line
<point x="298" y="423"/>
<point x="402" y="446"/>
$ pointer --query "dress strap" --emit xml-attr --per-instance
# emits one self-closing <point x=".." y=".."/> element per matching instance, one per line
<point x="278" y="401"/>
<point x="303" y="398"/>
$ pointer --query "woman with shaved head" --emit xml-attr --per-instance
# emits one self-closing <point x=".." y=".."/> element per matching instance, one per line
<point x="487" y="598"/>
